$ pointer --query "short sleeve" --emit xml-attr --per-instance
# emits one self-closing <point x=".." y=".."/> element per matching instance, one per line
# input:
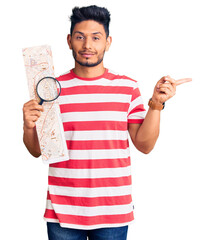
<point x="136" y="111"/>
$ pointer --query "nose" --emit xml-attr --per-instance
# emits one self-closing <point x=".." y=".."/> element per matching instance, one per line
<point x="87" y="43"/>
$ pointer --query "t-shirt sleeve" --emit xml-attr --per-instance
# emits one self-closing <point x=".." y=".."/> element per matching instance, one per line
<point x="136" y="112"/>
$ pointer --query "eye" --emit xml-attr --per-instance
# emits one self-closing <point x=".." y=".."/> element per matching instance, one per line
<point x="96" y="38"/>
<point x="79" y="37"/>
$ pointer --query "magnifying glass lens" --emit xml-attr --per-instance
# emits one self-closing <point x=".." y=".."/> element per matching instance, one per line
<point x="48" y="89"/>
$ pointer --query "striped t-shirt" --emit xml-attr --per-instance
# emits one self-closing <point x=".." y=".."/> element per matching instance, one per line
<point x="93" y="188"/>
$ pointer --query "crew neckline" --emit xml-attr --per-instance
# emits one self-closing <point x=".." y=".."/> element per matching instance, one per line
<point x="89" y="79"/>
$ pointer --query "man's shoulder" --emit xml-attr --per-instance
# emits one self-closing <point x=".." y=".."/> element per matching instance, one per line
<point x="65" y="76"/>
<point x="112" y="75"/>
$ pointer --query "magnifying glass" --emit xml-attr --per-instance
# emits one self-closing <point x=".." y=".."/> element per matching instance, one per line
<point x="48" y="89"/>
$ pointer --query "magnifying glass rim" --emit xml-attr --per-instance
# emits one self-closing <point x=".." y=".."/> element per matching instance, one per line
<point x="53" y="98"/>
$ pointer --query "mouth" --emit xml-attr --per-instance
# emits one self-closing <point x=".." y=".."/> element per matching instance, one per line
<point x="87" y="54"/>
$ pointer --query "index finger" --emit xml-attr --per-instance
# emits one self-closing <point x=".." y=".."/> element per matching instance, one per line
<point x="182" y="80"/>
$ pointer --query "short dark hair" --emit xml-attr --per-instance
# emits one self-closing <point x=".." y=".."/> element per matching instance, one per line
<point x="93" y="12"/>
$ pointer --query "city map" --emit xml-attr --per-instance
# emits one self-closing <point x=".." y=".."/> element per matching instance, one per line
<point x="39" y="64"/>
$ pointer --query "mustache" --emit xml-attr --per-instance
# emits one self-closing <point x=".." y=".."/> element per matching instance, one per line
<point x="88" y="52"/>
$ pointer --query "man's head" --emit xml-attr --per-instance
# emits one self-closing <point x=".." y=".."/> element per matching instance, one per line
<point x="89" y="35"/>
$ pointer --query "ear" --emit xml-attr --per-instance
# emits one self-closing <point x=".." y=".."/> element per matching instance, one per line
<point x="108" y="42"/>
<point x="69" y="41"/>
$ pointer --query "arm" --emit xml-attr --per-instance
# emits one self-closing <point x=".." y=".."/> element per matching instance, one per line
<point x="31" y="113"/>
<point x="145" y="135"/>
<point x="31" y="141"/>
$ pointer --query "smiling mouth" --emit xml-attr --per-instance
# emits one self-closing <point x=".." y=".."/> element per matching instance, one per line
<point x="87" y="54"/>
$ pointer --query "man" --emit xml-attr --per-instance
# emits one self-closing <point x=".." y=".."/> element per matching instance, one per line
<point x="90" y="194"/>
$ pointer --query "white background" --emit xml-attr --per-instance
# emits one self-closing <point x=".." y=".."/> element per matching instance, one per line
<point x="173" y="185"/>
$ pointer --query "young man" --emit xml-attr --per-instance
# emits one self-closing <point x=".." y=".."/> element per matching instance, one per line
<point x="90" y="194"/>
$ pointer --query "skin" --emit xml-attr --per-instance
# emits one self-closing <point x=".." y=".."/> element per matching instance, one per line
<point x="89" y="43"/>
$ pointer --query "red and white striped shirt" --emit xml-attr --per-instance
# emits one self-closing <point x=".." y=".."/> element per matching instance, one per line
<point x="93" y="188"/>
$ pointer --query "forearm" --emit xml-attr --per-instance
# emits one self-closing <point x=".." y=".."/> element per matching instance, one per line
<point x="148" y="132"/>
<point x="31" y="141"/>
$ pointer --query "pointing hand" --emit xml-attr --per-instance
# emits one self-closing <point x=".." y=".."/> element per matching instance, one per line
<point x="166" y="88"/>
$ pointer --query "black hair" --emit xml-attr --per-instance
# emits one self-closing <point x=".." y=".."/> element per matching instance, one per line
<point x="93" y="12"/>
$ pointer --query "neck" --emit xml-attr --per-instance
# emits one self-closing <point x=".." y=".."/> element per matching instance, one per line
<point x="89" y="72"/>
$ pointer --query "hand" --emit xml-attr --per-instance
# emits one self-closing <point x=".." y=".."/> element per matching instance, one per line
<point x="166" y="88"/>
<point x="31" y="113"/>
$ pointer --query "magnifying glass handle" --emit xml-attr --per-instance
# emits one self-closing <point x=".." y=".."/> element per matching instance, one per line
<point x="41" y="101"/>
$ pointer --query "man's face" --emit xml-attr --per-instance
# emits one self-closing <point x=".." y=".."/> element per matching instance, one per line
<point x="88" y="43"/>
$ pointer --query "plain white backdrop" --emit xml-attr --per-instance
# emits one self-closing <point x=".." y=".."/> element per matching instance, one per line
<point x="173" y="185"/>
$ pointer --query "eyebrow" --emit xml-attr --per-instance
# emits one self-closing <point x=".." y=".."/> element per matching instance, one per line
<point x="94" y="33"/>
<point x="97" y="33"/>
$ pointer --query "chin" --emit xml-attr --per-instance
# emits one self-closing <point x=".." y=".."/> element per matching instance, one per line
<point x="89" y="64"/>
